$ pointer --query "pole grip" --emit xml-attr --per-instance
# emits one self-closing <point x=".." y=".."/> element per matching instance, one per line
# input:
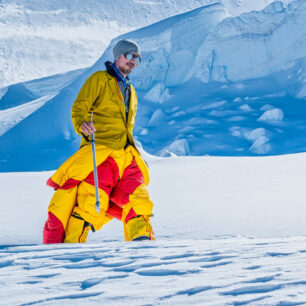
<point x="93" y="142"/>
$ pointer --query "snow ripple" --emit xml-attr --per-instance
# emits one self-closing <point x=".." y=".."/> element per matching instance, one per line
<point x="241" y="270"/>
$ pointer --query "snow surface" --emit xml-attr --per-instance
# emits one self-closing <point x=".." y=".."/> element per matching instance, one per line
<point x="10" y="117"/>
<point x="225" y="271"/>
<point x="40" y="37"/>
<point x="230" y="230"/>
<point x="208" y="84"/>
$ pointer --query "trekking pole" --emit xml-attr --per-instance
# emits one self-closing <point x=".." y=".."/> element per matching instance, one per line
<point x="93" y="147"/>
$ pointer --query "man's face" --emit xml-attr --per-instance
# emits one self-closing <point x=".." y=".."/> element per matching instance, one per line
<point x="124" y="65"/>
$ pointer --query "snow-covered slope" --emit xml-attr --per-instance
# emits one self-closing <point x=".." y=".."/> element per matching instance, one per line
<point x="194" y="97"/>
<point x="40" y="38"/>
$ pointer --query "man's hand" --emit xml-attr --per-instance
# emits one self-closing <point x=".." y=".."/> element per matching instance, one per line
<point x="88" y="128"/>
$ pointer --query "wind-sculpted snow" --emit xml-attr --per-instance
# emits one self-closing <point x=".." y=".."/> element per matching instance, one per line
<point x="231" y="271"/>
<point x="40" y="38"/>
<point x="253" y="45"/>
<point x="207" y="84"/>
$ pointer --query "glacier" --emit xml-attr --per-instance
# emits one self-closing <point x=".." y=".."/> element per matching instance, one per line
<point x="209" y="84"/>
<point x="41" y="38"/>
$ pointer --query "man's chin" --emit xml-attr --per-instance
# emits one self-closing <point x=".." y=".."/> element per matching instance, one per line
<point x="129" y="70"/>
<point x="126" y="70"/>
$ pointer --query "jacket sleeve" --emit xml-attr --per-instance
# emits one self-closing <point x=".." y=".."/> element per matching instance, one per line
<point x="85" y="100"/>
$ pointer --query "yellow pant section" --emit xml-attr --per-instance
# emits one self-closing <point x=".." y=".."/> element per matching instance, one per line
<point x="86" y="200"/>
<point x="77" y="229"/>
<point x="140" y="202"/>
<point x="138" y="227"/>
<point x="62" y="203"/>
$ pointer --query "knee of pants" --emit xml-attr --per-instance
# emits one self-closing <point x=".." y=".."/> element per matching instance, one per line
<point x="140" y="201"/>
<point x="86" y="202"/>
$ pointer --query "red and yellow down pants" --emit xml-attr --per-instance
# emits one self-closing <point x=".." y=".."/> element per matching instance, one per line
<point x="123" y="195"/>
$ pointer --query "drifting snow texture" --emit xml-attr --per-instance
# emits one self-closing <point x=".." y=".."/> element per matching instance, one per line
<point x="223" y="271"/>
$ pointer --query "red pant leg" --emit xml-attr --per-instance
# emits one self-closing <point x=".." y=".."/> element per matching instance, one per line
<point x="53" y="230"/>
<point x="131" y="179"/>
<point x="108" y="175"/>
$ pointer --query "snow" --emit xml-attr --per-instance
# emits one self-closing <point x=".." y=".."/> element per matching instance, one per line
<point x="10" y="117"/>
<point x="229" y="230"/>
<point x="274" y="114"/>
<point x="252" y="45"/>
<point x="178" y="147"/>
<point x="205" y="185"/>
<point x="224" y="83"/>
<point x="158" y="94"/>
<point x="220" y="73"/>
<point x="211" y="272"/>
<point x="41" y="39"/>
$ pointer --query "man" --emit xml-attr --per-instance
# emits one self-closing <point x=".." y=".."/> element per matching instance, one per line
<point x="106" y="105"/>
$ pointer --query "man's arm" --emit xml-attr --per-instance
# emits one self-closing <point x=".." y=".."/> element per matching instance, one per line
<point x="87" y="96"/>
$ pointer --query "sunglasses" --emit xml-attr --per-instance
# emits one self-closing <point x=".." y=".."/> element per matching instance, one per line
<point x="130" y="56"/>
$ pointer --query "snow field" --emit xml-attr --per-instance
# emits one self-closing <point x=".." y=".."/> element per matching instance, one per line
<point x="231" y="271"/>
<point x="195" y="198"/>
<point x="229" y="231"/>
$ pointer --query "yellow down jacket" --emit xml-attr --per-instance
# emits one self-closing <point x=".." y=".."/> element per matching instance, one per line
<point x="101" y="96"/>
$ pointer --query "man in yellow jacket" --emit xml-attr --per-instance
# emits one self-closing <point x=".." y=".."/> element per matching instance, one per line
<point x="106" y="106"/>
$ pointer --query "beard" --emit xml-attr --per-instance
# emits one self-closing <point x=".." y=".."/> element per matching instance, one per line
<point x="125" y="70"/>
